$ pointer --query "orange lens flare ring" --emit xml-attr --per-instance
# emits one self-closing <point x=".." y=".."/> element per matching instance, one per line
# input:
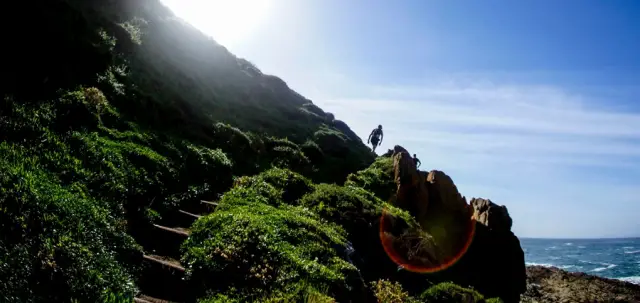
<point x="387" y="244"/>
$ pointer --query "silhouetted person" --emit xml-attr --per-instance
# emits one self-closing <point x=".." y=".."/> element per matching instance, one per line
<point x="376" y="137"/>
<point x="416" y="161"/>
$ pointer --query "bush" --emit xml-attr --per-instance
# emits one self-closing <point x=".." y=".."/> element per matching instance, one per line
<point x="449" y="292"/>
<point x="351" y="207"/>
<point x="205" y="165"/>
<point x="57" y="243"/>
<point x="359" y="213"/>
<point x="257" y="251"/>
<point x="391" y="292"/>
<point x="377" y="178"/>
<point x="292" y="185"/>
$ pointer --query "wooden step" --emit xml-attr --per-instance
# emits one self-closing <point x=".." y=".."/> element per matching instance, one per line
<point x="148" y="299"/>
<point x="188" y="214"/>
<point x="181" y="231"/>
<point x="214" y="204"/>
<point x="180" y="217"/>
<point x="163" y="277"/>
<point x="200" y="207"/>
<point x="163" y="240"/>
<point x="165" y="261"/>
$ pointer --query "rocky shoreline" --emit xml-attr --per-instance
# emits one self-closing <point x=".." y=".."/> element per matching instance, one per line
<point x="550" y="284"/>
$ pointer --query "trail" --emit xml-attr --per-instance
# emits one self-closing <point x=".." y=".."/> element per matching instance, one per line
<point x="162" y="279"/>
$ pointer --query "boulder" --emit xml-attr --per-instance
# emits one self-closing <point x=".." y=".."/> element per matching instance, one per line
<point x="493" y="262"/>
<point x="495" y="217"/>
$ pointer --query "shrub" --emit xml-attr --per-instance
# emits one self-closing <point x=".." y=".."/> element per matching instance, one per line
<point x="57" y="243"/>
<point x="258" y="251"/>
<point x="313" y="152"/>
<point x="377" y="178"/>
<point x="391" y="292"/>
<point x="292" y="185"/>
<point x="449" y="292"/>
<point x="205" y="165"/>
<point x="258" y="192"/>
<point x="351" y="207"/>
<point x="359" y="213"/>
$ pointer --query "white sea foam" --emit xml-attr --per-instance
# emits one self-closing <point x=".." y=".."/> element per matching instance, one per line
<point x="632" y="279"/>
<point x="539" y="264"/>
<point x="610" y="266"/>
<point x="582" y="246"/>
<point x="552" y="247"/>
<point x="568" y="244"/>
<point x="632" y="252"/>
<point x="628" y="247"/>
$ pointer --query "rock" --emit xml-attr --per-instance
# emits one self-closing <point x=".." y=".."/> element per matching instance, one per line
<point x="547" y="285"/>
<point x="495" y="217"/>
<point x="448" y="192"/>
<point x="493" y="262"/>
<point x="411" y="193"/>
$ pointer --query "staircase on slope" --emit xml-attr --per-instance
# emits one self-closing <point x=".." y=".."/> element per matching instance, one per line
<point x="162" y="277"/>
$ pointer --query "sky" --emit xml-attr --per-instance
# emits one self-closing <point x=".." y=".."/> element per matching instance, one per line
<point x="532" y="104"/>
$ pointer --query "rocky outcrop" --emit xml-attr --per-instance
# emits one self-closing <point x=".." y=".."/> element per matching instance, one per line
<point x="473" y="241"/>
<point x="494" y="216"/>
<point x="411" y="193"/>
<point x="552" y="285"/>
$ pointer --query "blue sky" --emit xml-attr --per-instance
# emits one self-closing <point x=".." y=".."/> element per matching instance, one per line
<point x="532" y="104"/>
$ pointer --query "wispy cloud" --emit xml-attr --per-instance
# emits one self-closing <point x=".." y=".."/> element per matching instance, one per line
<point x="539" y="149"/>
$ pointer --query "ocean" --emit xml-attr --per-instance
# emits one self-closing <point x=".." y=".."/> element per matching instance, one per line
<point x="609" y="258"/>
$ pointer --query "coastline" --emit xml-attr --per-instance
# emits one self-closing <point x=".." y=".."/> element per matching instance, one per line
<point x="552" y="284"/>
<point x="633" y="279"/>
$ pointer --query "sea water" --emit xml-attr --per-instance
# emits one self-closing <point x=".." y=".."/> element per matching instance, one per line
<point x="609" y="258"/>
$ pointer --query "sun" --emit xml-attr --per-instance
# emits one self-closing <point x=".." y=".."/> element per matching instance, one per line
<point x="228" y="21"/>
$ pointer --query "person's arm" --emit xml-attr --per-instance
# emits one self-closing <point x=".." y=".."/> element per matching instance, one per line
<point x="369" y="139"/>
<point x="418" y="160"/>
<point x="381" y="136"/>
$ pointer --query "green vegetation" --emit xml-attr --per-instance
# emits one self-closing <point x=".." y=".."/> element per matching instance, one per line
<point x="57" y="242"/>
<point x="449" y="292"/>
<point x="127" y="114"/>
<point x="377" y="178"/>
<point x="266" y="252"/>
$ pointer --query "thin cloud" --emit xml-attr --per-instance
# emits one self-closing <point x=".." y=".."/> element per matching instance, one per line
<point x="539" y="149"/>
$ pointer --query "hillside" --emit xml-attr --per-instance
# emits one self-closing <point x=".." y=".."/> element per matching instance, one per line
<point x="139" y="158"/>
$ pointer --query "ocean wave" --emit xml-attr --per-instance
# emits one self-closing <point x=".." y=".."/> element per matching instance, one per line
<point x="632" y="252"/>
<point x="580" y="246"/>
<point x="632" y="279"/>
<point x="568" y="244"/>
<point x="610" y="266"/>
<point x="539" y="264"/>
<point x="552" y="247"/>
<point x="628" y="247"/>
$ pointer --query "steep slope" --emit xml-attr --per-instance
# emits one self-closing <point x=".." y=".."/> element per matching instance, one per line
<point x="115" y="115"/>
<point x="153" y="63"/>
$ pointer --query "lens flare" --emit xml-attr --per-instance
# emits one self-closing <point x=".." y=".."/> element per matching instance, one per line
<point x="387" y="244"/>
